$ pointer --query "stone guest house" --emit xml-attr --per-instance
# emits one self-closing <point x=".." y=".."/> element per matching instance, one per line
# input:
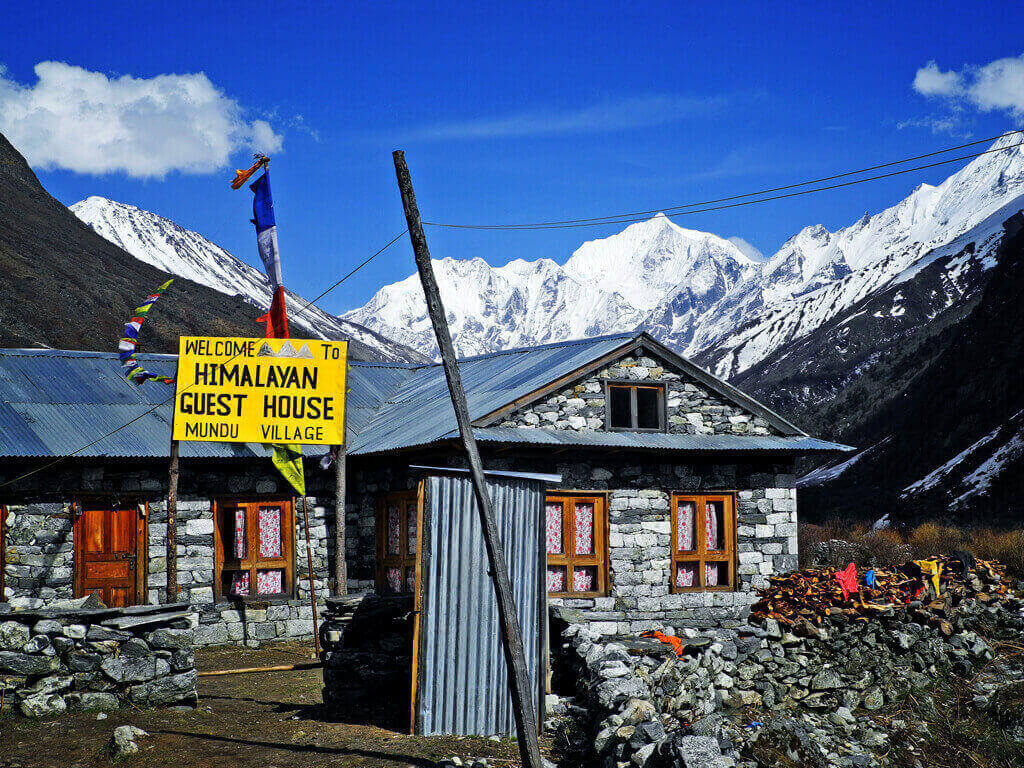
<point x="677" y="496"/>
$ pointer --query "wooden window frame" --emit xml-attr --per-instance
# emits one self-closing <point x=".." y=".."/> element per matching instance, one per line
<point x="634" y="385"/>
<point x="700" y="555"/>
<point x="404" y="560"/>
<point x="570" y="561"/>
<point x="252" y="564"/>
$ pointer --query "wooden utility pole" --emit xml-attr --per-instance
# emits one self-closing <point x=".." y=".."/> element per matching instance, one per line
<point x="511" y="634"/>
<point x="172" y="526"/>
<point x="340" y="558"/>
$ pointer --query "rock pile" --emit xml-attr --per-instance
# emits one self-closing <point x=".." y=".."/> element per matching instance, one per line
<point x="56" y="660"/>
<point x="810" y="689"/>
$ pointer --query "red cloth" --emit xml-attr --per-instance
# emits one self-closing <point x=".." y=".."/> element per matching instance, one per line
<point x="675" y="642"/>
<point x="847" y="579"/>
<point x="277" y="318"/>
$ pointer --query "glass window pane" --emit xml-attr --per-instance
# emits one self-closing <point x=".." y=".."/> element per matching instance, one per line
<point x="715" y="525"/>
<point x="394" y="529"/>
<point x="685" y="515"/>
<point x="270" y="582"/>
<point x="686" y="574"/>
<point x="235" y="583"/>
<point x="716" y="574"/>
<point x="620" y="414"/>
<point x="232" y="529"/>
<point x="647" y="399"/>
<point x="411" y="527"/>
<point x="394" y="580"/>
<point x="410" y="579"/>
<point x="556" y="578"/>
<point x="584" y="578"/>
<point x="270" y="532"/>
<point x="584" y="528"/>
<point x="553" y="512"/>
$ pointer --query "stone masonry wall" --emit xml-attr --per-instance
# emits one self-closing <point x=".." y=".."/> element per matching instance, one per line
<point x="639" y="489"/>
<point x="52" y="661"/>
<point x="39" y="549"/>
<point x="689" y="407"/>
<point x="639" y="521"/>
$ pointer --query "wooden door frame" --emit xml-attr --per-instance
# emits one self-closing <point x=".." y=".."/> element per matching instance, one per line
<point x="98" y="501"/>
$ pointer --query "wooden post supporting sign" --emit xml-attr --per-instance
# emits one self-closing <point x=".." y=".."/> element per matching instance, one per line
<point x="511" y="633"/>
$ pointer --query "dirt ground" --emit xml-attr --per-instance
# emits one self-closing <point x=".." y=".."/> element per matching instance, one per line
<point x="264" y="720"/>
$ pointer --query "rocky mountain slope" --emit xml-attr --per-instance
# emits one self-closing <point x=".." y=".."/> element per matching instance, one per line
<point x="167" y="246"/>
<point x="62" y="285"/>
<point x="938" y="412"/>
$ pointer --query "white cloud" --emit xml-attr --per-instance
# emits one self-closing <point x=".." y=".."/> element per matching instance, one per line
<point x="612" y="115"/>
<point x="996" y="86"/>
<point x="931" y="81"/>
<point x="88" y="122"/>
<point x="747" y="249"/>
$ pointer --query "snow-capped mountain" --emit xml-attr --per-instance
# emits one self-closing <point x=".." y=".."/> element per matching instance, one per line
<point x="163" y="244"/>
<point x="699" y="292"/>
<point x="607" y="285"/>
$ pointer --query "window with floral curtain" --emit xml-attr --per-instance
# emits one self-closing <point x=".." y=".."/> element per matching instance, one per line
<point x="576" y="545"/>
<point x="703" y="542"/>
<point x="254" y="548"/>
<point x="396" y="542"/>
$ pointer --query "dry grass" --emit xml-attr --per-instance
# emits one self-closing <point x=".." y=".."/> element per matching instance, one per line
<point x="889" y="547"/>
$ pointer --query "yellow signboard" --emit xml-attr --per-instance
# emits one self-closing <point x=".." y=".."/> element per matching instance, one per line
<point x="238" y="390"/>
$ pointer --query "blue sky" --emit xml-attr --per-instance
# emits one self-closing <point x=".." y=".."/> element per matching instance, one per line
<point x="507" y="113"/>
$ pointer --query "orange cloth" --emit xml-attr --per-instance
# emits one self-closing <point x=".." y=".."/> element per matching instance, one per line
<point x="675" y="642"/>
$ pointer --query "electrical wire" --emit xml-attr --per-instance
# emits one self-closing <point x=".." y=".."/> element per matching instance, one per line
<point x="164" y="402"/>
<point x="680" y="209"/>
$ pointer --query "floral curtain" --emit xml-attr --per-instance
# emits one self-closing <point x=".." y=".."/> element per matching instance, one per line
<point x="684" y="526"/>
<point x="583" y="579"/>
<point x="556" y="579"/>
<point x="394" y="532"/>
<point x="239" y="541"/>
<point x="270" y="532"/>
<point x="584" y="529"/>
<point x="553" y="512"/>
<point x="712" y="528"/>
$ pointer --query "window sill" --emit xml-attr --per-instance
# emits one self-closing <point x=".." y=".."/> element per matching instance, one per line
<point x="254" y="601"/>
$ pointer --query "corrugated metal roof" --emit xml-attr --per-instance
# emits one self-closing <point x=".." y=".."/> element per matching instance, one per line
<point x="420" y="411"/>
<point x="656" y="441"/>
<point x="56" y="402"/>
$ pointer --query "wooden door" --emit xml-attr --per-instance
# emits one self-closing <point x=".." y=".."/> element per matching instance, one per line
<point x="107" y="554"/>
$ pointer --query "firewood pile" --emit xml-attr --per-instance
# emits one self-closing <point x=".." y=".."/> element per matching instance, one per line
<point x="815" y="596"/>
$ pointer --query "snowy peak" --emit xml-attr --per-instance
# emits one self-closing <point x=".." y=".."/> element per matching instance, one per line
<point x="181" y="252"/>
<point x="650" y="258"/>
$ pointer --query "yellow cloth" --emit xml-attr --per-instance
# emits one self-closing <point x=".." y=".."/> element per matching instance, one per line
<point x="933" y="570"/>
<point x="288" y="460"/>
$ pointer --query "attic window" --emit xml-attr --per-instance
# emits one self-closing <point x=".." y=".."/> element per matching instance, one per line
<point x="635" y="407"/>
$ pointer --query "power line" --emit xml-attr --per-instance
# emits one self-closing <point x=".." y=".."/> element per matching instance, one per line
<point x="162" y="403"/>
<point x="679" y="209"/>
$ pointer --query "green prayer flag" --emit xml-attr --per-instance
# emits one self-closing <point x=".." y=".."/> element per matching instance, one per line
<point x="288" y="460"/>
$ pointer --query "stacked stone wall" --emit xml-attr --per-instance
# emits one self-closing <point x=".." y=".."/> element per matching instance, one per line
<point x="39" y="552"/>
<point x="58" y="660"/>
<point x="690" y="408"/>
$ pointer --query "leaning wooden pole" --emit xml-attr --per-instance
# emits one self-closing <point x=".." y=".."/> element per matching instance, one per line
<point x="172" y="525"/>
<point x="512" y="638"/>
<point x="340" y="557"/>
<point x="312" y="583"/>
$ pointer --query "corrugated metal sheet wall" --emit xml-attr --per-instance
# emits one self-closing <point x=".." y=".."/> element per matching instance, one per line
<point x="463" y="686"/>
